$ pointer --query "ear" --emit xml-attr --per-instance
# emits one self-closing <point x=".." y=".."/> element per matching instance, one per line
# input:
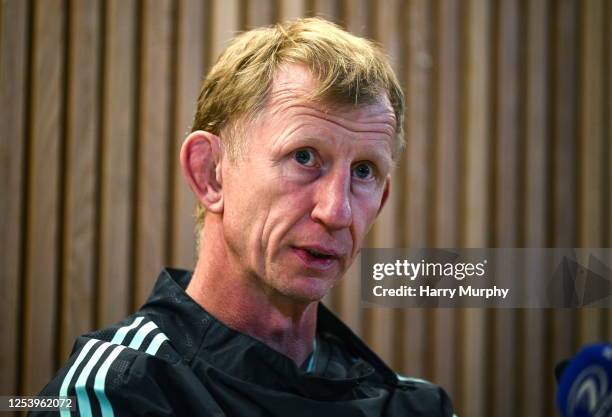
<point x="385" y="194"/>
<point x="201" y="164"/>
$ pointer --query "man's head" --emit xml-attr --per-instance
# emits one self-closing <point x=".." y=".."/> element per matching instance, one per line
<point x="291" y="152"/>
<point x="349" y="70"/>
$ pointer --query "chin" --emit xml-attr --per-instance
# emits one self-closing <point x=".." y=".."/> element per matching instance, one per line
<point x="304" y="289"/>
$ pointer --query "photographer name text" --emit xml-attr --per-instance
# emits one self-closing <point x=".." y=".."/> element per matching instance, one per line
<point x="423" y="271"/>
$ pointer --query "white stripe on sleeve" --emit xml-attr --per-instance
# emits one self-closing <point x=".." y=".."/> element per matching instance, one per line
<point x="81" y="384"/>
<point x="156" y="343"/>
<point x="68" y="378"/>
<point x="141" y="334"/>
<point x="123" y="331"/>
<point x="100" y="380"/>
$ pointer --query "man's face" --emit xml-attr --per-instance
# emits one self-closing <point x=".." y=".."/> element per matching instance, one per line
<point x="298" y="204"/>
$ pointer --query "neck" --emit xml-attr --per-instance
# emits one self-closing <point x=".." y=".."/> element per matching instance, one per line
<point x="243" y="302"/>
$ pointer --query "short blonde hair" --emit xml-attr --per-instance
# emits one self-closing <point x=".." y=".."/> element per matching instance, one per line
<point x="349" y="70"/>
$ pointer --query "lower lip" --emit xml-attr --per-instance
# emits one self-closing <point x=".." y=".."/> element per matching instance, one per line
<point x="312" y="261"/>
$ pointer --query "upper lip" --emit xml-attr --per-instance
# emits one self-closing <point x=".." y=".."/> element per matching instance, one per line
<point x="323" y="250"/>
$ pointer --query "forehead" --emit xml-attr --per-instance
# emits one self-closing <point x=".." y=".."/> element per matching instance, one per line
<point x="291" y="92"/>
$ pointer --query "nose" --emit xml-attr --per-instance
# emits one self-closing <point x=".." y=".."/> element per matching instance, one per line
<point x="333" y="204"/>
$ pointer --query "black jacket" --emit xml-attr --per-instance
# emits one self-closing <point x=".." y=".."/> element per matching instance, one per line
<point x="172" y="358"/>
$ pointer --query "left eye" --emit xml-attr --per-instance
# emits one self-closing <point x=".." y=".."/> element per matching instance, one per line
<point x="363" y="171"/>
<point x="305" y="157"/>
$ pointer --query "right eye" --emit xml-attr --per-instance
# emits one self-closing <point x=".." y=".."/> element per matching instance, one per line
<point x="305" y="157"/>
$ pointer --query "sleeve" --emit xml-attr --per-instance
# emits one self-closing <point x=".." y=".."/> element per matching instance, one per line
<point x="113" y="380"/>
<point x="446" y="404"/>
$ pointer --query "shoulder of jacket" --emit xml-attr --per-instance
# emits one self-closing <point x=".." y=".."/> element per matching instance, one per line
<point x="113" y="359"/>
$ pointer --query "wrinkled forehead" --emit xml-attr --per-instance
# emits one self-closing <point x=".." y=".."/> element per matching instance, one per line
<point x="293" y="85"/>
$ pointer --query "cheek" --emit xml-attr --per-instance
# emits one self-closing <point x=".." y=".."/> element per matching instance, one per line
<point x="245" y="211"/>
<point x="290" y="206"/>
<point x="365" y="209"/>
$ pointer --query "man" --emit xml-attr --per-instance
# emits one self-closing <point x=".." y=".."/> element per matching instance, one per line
<point x="290" y="156"/>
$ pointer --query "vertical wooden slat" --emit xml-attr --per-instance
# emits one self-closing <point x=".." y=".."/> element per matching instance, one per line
<point x="507" y="124"/>
<point x="564" y="102"/>
<point x="291" y="9"/>
<point x="356" y="16"/>
<point x="42" y="239"/>
<point x="591" y="124"/>
<point x="189" y="67"/>
<point x="476" y="123"/>
<point x="419" y="65"/>
<point x="225" y="24"/>
<point x="507" y="198"/>
<point x="475" y="203"/>
<point x="447" y="125"/>
<point x="536" y="114"/>
<point x="259" y="13"/>
<point x="563" y="328"/>
<point x="564" y="169"/>
<point x="13" y="70"/>
<point x="608" y="162"/>
<point x="591" y="230"/>
<point x="416" y="159"/>
<point x="152" y="152"/>
<point x="328" y="9"/>
<point x="116" y="155"/>
<point x="77" y="298"/>
<point x="446" y="204"/>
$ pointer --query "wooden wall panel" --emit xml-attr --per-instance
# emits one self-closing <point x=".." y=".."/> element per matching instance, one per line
<point x="260" y="13"/>
<point x="77" y="302"/>
<point x="189" y="60"/>
<point x="356" y="17"/>
<point x="507" y="138"/>
<point x="564" y="32"/>
<point x="446" y="177"/>
<point x="417" y="75"/>
<point x="508" y="144"/>
<point x="14" y="28"/>
<point x="329" y="9"/>
<point x="291" y="9"/>
<point x="475" y="200"/>
<point x="117" y="147"/>
<point x="591" y="135"/>
<point x="533" y="377"/>
<point x="608" y="142"/>
<point x="44" y="194"/>
<point x="152" y="159"/>
<point x="564" y="145"/>
<point x="225" y="21"/>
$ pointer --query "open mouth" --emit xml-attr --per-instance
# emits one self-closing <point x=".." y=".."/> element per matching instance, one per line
<point x="319" y="255"/>
<point x="314" y="258"/>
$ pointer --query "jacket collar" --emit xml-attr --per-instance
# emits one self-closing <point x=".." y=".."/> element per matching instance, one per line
<point x="207" y="343"/>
